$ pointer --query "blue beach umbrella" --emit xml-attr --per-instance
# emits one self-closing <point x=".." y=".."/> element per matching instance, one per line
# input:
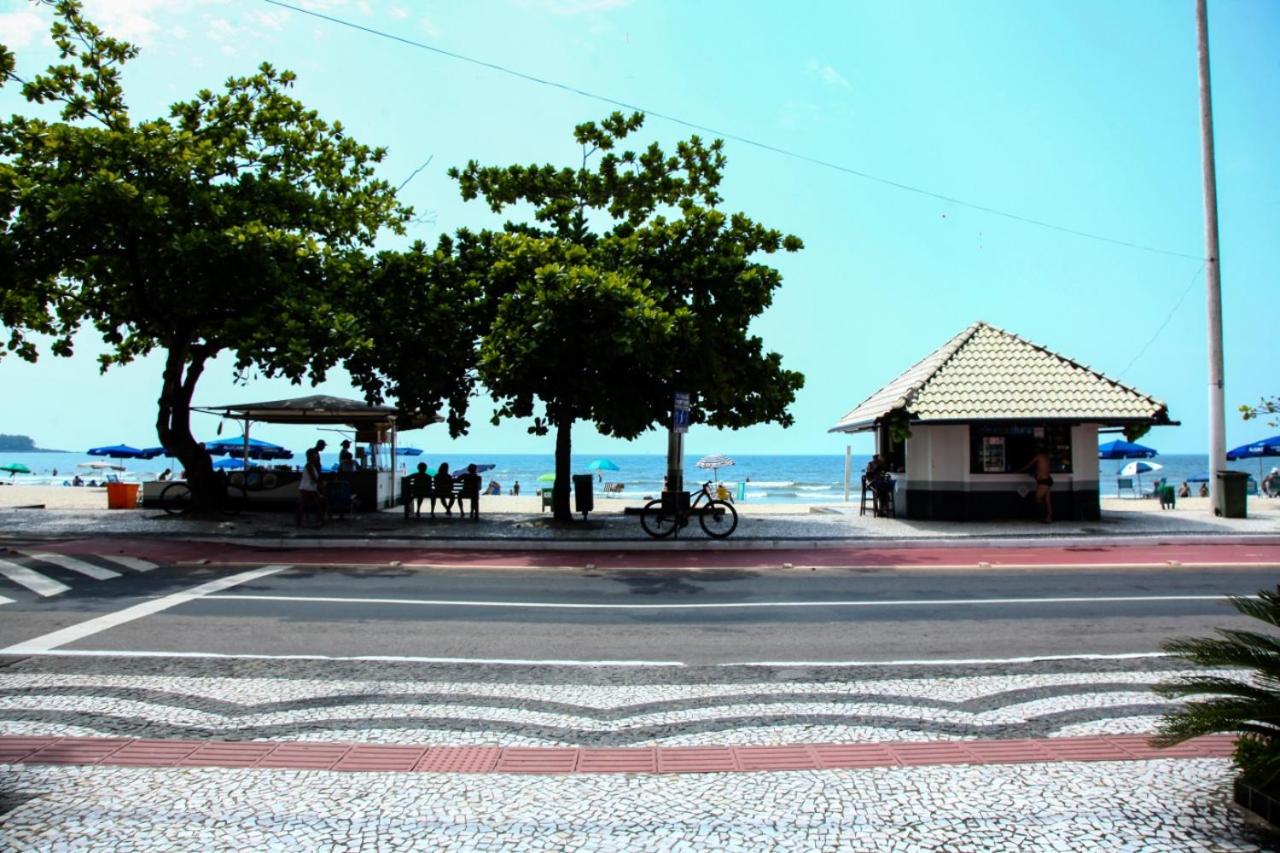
<point x="1119" y="449"/>
<point x="1256" y="450"/>
<point x="119" y="451"/>
<point x="230" y="464"/>
<point x="257" y="449"/>
<point x="604" y="465"/>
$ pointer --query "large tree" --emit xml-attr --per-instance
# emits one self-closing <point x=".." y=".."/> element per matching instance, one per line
<point x="236" y="223"/>
<point x="626" y="285"/>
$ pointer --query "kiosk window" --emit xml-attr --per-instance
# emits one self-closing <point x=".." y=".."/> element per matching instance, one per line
<point x="1002" y="448"/>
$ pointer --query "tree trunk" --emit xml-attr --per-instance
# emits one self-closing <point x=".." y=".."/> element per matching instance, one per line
<point x="560" y="494"/>
<point x="182" y="369"/>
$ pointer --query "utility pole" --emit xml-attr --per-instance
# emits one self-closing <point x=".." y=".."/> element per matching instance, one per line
<point x="1213" y="284"/>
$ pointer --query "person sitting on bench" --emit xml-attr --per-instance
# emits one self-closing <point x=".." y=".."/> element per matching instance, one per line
<point x="421" y="483"/>
<point x="443" y="491"/>
<point x="470" y="491"/>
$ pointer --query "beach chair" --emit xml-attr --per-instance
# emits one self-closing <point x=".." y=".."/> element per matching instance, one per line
<point x="1123" y="483"/>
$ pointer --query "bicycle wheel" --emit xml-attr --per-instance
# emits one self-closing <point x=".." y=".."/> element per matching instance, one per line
<point x="718" y="519"/>
<point x="176" y="498"/>
<point x="235" y="500"/>
<point x="655" y="522"/>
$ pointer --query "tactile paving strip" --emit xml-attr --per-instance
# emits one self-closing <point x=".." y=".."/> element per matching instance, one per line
<point x="291" y="755"/>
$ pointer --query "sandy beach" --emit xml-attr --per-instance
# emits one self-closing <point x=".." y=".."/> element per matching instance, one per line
<point x="83" y="498"/>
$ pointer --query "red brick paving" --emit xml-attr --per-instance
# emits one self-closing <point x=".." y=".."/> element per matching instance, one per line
<point x="17" y="749"/>
<point x="865" y="554"/>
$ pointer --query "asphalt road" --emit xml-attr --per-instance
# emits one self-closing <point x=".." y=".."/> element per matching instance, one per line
<point x="693" y="617"/>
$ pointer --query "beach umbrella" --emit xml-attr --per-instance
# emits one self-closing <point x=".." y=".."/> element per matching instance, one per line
<point x="1137" y="469"/>
<point x="118" y="451"/>
<point x="258" y="449"/>
<point x="603" y="465"/>
<point x="546" y="478"/>
<point x="101" y="466"/>
<point x="229" y="464"/>
<point x="1124" y="450"/>
<point x="1257" y="450"/>
<point x="153" y="452"/>
<point x="15" y="468"/>
<point x="715" y="462"/>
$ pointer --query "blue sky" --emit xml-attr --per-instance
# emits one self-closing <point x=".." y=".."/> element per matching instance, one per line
<point x="1082" y="114"/>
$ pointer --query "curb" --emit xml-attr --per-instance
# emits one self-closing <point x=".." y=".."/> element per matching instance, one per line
<point x="682" y="545"/>
<point x="549" y="761"/>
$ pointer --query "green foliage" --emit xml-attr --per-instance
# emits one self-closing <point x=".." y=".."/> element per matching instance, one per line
<point x="424" y="310"/>
<point x="1249" y="708"/>
<point x="1266" y="406"/>
<point x="235" y="223"/>
<point x="626" y="286"/>
<point x="1133" y="432"/>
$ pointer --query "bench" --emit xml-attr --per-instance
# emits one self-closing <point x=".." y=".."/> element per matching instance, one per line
<point x="416" y="489"/>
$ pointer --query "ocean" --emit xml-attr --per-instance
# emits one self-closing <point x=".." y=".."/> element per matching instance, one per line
<point x="761" y="478"/>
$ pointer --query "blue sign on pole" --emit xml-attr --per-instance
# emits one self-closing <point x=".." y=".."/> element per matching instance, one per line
<point x="680" y="413"/>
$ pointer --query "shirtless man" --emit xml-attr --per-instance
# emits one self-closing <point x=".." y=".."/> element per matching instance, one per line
<point x="1040" y="468"/>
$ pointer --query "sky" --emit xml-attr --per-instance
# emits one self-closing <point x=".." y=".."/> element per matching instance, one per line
<point x="1083" y="115"/>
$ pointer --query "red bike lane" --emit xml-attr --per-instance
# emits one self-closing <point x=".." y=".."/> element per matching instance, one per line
<point x="922" y="555"/>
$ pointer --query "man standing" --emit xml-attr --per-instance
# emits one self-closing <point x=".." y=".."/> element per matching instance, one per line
<point x="309" y="487"/>
<point x="1041" y="468"/>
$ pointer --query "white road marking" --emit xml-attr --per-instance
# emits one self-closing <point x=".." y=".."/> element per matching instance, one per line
<point x="106" y="653"/>
<point x="73" y="563"/>
<point x="93" y="626"/>
<point x="109" y="653"/>
<point x="33" y="581"/>
<point x="129" y="562"/>
<point x="951" y="661"/>
<point x="717" y="605"/>
<point x="4" y="600"/>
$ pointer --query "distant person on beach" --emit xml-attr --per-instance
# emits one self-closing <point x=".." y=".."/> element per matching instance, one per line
<point x="443" y="489"/>
<point x="55" y="472"/>
<point x="495" y="488"/>
<point x="346" y="462"/>
<point x="1204" y="490"/>
<point x="166" y="473"/>
<point x="515" y="489"/>
<point x="1184" y="491"/>
<point x="76" y="481"/>
<point x="1271" y="483"/>
<point x="1041" y="468"/>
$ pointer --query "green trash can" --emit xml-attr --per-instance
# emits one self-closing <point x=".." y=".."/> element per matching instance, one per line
<point x="1233" y="485"/>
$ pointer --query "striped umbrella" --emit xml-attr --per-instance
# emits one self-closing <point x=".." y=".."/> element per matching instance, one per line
<point x="715" y="462"/>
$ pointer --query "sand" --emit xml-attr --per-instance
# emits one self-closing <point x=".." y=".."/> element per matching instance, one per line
<point x="81" y="498"/>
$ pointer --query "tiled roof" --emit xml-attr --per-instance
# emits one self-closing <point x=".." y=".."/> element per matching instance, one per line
<point x="985" y="373"/>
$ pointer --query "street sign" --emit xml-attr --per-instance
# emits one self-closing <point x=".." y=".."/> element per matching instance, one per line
<point x="680" y="413"/>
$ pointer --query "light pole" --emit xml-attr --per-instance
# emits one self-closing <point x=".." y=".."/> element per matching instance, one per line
<point x="1213" y="284"/>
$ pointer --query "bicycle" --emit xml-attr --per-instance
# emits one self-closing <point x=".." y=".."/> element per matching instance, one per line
<point x="175" y="499"/>
<point x="718" y="518"/>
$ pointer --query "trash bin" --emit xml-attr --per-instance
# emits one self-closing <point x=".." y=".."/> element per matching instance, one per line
<point x="122" y="495"/>
<point x="1232" y="485"/>
<point x="584" y="500"/>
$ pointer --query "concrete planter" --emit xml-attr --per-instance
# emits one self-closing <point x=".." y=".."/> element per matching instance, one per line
<point x="1265" y="806"/>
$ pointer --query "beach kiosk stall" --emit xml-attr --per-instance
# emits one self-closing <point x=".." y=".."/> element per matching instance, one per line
<point x="373" y="482"/>
<point x="958" y="427"/>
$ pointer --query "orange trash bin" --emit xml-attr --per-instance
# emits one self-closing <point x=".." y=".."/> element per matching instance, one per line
<point x="122" y="495"/>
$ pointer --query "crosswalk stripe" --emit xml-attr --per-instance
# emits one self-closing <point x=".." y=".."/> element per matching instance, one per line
<point x="74" y="564"/>
<point x="128" y="562"/>
<point x="33" y="581"/>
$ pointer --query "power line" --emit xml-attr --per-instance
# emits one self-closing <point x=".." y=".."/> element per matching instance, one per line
<point x="1172" y="311"/>
<point x="764" y="146"/>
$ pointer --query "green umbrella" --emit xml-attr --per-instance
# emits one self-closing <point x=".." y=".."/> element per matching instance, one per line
<point x="15" y="468"/>
<point x="546" y="478"/>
